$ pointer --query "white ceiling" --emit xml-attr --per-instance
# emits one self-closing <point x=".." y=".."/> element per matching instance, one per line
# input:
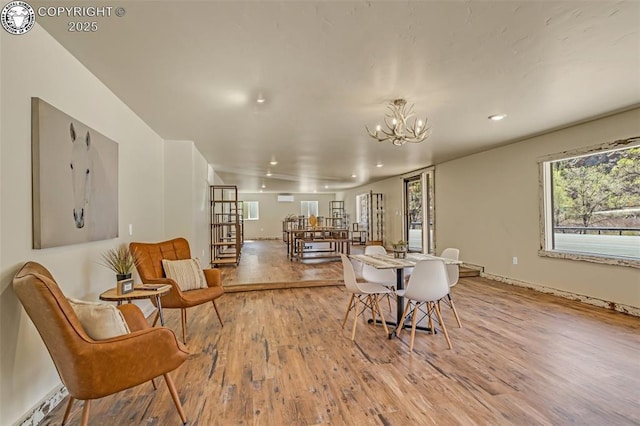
<point x="192" y="71"/>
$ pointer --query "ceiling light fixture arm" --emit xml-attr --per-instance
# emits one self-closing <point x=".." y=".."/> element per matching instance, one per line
<point x="398" y="129"/>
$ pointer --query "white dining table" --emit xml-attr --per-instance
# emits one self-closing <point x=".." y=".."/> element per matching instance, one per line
<point x="388" y="261"/>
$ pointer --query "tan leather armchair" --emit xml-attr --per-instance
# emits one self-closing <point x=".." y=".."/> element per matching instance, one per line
<point x="93" y="369"/>
<point x="149" y="264"/>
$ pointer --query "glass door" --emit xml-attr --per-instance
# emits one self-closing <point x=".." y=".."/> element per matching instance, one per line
<point x="419" y="212"/>
<point x="414" y="215"/>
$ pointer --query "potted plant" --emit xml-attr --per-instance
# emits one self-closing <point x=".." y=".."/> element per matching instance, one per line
<point x="120" y="260"/>
<point x="400" y="249"/>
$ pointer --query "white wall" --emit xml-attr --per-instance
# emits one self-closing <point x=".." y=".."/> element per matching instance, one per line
<point x="487" y="205"/>
<point x="200" y="209"/>
<point x="187" y="194"/>
<point x="272" y="213"/>
<point x="36" y="65"/>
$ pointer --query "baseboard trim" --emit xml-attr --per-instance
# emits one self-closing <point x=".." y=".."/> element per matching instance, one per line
<point x="44" y="407"/>
<point x="618" y="307"/>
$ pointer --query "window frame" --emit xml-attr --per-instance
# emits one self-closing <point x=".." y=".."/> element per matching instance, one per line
<point x="546" y="248"/>
<point x="247" y="210"/>
<point x="308" y="213"/>
<point x="361" y="212"/>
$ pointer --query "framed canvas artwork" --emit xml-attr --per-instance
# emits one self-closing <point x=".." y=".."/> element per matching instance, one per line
<point x="74" y="180"/>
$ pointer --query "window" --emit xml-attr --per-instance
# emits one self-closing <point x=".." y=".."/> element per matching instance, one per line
<point x="591" y="204"/>
<point x="308" y="208"/>
<point x="251" y="210"/>
<point x="361" y="208"/>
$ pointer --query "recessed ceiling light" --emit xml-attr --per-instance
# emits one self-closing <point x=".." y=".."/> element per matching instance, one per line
<point x="260" y="99"/>
<point x="353" y="175"/>
<point x="379" y="165"/>
<point x="497" y="117"/>
<point x="273" y="162"/>
<point x="263" y="186"/>
<point x="326" y="187"/>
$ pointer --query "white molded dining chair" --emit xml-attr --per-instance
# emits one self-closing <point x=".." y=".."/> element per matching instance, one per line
<point x="357" y="268"/>
<point x="365" y="292"/>
<point x="453" y="274"/>
<point x="385" y="277"/>
<point x="427" y="286"/>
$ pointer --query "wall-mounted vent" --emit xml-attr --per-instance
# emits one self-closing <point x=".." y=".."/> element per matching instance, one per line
<point x="285" y="198"/>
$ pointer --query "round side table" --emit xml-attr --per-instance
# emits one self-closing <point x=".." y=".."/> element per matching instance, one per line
<point x="139" y="292"/>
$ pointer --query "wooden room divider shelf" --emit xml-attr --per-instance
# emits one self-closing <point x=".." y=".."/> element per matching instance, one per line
<point x="337" y="216"/>
<point x="302" y="243"/>
<point x="375" y="219"/>
<point x="226" y="225"/>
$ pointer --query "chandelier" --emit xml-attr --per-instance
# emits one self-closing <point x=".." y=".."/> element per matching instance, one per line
<point x="398" y="130"/>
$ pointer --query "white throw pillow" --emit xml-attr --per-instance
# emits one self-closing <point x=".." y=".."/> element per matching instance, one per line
<point x="186" y="272"/>
<point x="99" y="320"/>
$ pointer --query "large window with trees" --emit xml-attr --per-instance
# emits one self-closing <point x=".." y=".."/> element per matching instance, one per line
<point x="591" y="204"/>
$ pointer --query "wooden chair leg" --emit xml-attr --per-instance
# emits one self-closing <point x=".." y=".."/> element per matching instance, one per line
<point x="430" y="308"/>
<point x="389" y="302"/>
<point x="68" y="411"/>
<point x="414" y="321"/>
<point x="399" y="327"/>
<point x="455" y="313"/>
<point x="346" y="314"/>
<point x="155" y="320"/>
<point x="184" y="325"/>
<point x="384" y="323"/>
<point x="85" y="412"/>
<point x="153" y="383"/>
<point x="175" y="397"/>
<point x="355" y="318"/>
<point x="217" y="313"/>
<point x="372" y="308"/>
<point x="444" y="329"/>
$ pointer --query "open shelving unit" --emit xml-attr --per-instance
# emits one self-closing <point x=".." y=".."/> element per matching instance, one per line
<point x="375" y="219"/>
<point x="226" y="225"/>
<point x="337" y="216"/>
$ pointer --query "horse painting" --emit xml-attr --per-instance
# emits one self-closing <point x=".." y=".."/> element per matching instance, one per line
<point x="80" y="176"/>
<point x="75" y="180"/>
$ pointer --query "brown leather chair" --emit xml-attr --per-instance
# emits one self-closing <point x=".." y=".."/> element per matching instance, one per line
<point x="149" y="264"/>
<point x="93" y="369"/>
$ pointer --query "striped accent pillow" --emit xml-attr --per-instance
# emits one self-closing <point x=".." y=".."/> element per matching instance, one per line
<point x="99" y="320"/>
<point x="186" y="272"/>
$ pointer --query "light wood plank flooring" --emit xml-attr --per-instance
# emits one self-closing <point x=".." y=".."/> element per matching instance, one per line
<point x="264" y="264"/>
<point x="521" y="358"/>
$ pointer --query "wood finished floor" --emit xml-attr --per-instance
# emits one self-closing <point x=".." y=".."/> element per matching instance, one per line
<point x="264" y="262"/>
<point x="521" y="358"/>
